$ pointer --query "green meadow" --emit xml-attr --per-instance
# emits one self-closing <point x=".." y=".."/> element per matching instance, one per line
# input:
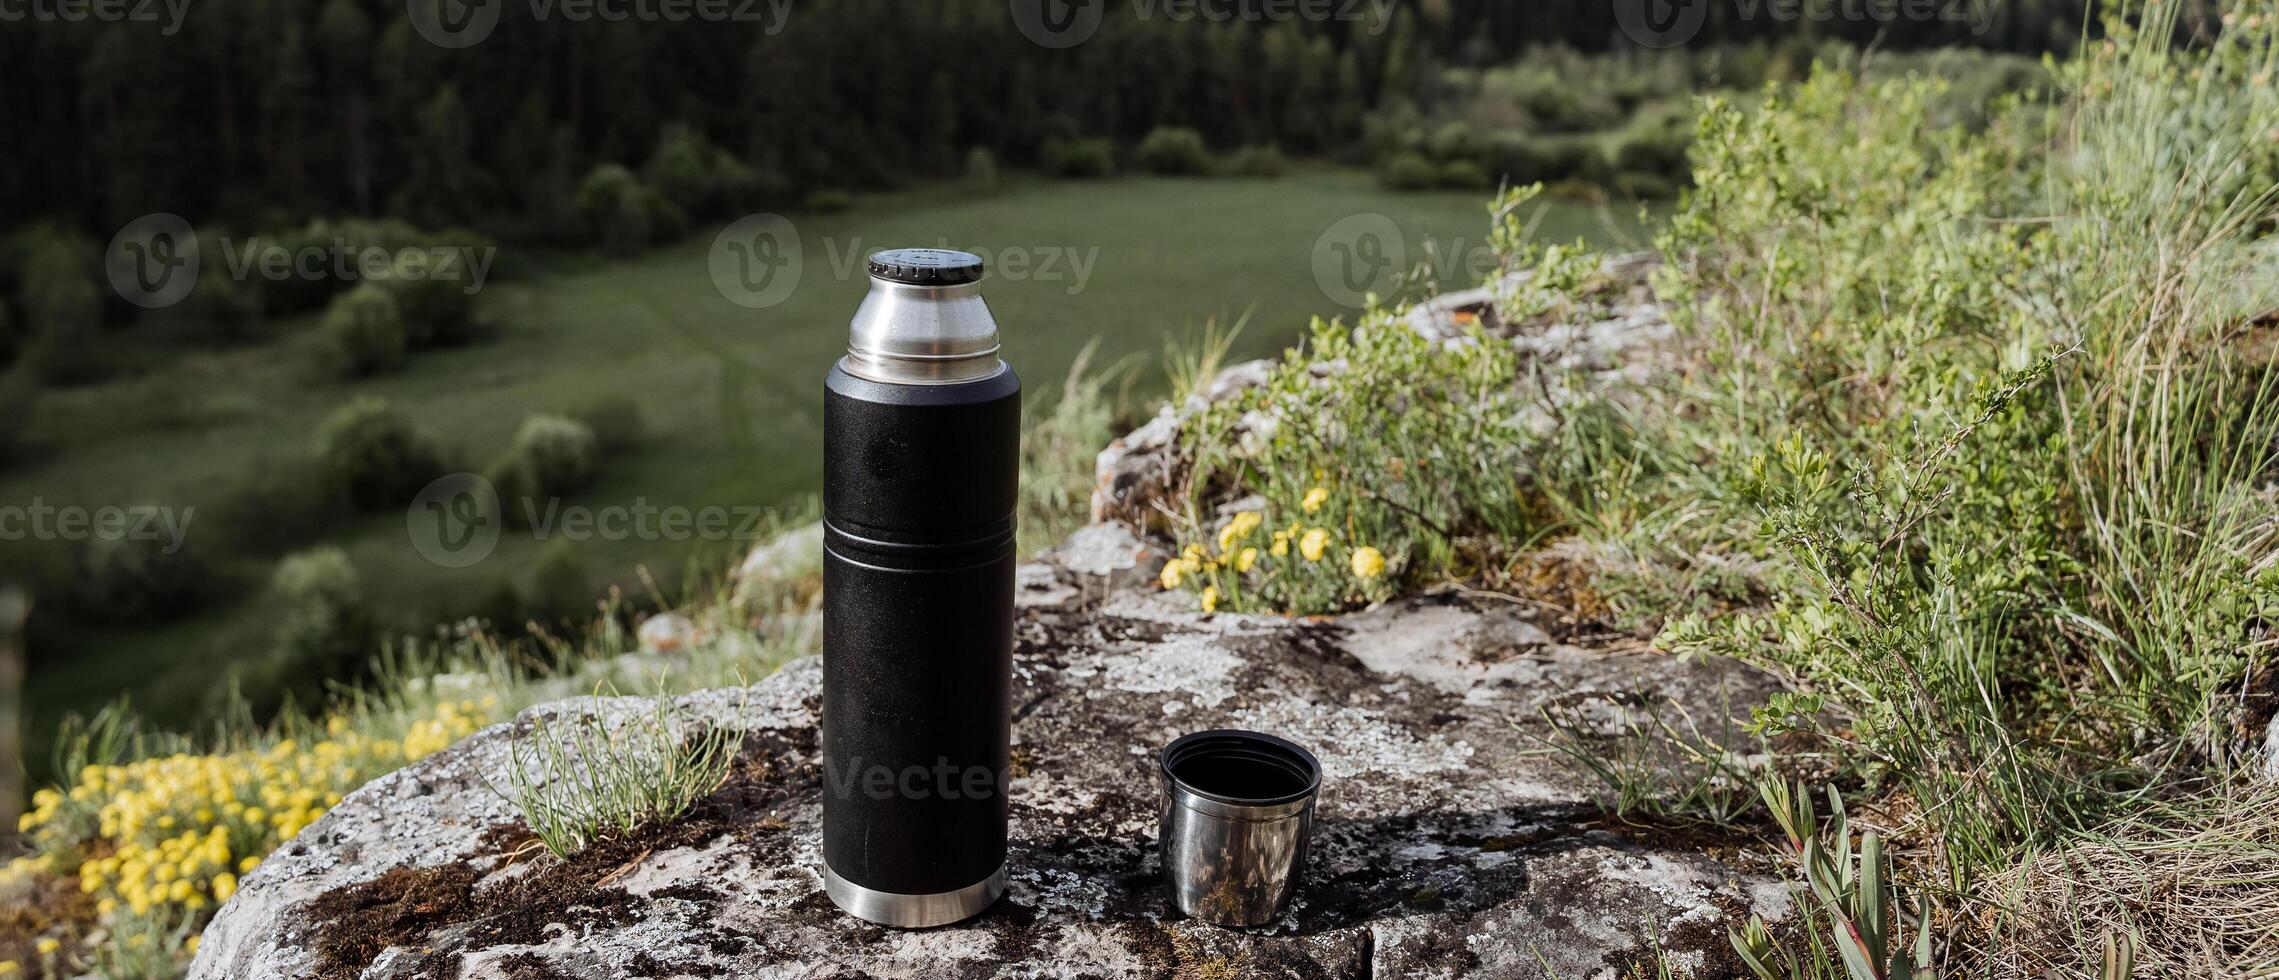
<point x="728" y="394"/>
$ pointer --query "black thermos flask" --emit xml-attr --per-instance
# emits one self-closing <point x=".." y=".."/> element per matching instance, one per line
<point x="921" y="443"/>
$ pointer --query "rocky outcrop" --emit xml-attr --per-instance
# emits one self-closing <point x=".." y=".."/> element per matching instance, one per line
<point x="1450" y="843"/>
<point x="1615" y="334"/>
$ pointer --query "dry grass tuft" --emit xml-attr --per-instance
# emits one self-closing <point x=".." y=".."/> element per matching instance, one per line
<point x="2195" y="883"/>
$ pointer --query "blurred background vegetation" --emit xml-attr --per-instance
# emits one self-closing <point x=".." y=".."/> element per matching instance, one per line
<point x="1196" y="158"/>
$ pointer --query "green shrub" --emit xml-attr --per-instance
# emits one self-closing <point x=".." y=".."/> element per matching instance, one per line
<point x="1409" y="171"/>
<point x="618" y="212"/>
<point x="1258" y="160"/>
<point x="226" y="308"/>
<point x="437" y="311"/>
<point x="1513" y="159"/>
<point x="19" y="392"/>
<point x="141" y="581"/>
<point x="1402" y="464"/>
<point x="616" y="422"/>
<point x="551" y="457"/>
<point x="363" y="333"/>
<point x="63" y="312"/>
<point x="323" y="634"/>
<point x="561" y="591"/>
<point x="1574" y="158"/>
<point x="11" y="337"/>
<point x="1080" y="158"/>
<point x="1657" y="150"/>
<point x="296" y="293"/>
<point x="695" y="176"/>
<point x="981" y="170"/>
<point x="282" y="502"/>
<point x="372" y="455"/>
<point x="1461" y="175"/>
<point x="1174" y="151"/>
<point x="1453" y="141"/>
<point x="1645" y="187"/>
<point x="828" y="200"/>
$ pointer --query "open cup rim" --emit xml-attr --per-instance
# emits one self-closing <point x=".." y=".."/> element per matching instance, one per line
<point x="1255" y="746"/>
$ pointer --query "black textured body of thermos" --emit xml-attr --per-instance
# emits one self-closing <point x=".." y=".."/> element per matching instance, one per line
<point x="921" y="442"/>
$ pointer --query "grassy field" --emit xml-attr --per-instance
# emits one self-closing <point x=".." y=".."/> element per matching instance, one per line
<point x="729" y="394"/>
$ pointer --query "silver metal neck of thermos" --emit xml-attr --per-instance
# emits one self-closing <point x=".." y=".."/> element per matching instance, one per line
<point x="922" y="334"/>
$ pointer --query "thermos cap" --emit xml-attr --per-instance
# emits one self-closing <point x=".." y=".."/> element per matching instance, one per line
<point x="927" y="266"/>
<point x="924" y="322"/>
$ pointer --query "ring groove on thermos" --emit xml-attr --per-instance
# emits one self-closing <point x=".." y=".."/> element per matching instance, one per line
<point x="921" y="467"/>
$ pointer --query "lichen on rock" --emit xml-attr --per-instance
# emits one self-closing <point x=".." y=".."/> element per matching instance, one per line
<point x="1448" y="844"/>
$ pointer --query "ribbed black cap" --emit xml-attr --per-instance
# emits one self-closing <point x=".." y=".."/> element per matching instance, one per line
<point x="926" y="266"/>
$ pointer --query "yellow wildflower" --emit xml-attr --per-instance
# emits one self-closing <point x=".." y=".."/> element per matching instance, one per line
<point x="48" y="947"/>
<point x="1211" y="599"/>
<point x="1238" y="528"/>
<point x="225" y="885"/>
<point x="1368" y="562"/>
<point x="1315" y="498"/>
<point x="8" y="968"/>
<point x="1312" y="544"/>
<point x="1170" y="576"/>
<point x="1249" y="557"/>
<point x="1281" y="544"/>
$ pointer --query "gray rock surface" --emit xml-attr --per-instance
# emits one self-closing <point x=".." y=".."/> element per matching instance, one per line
<point x="1450" y="843"/>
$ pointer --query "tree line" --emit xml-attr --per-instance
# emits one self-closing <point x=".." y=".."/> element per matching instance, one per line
<point x="262" y="114"/>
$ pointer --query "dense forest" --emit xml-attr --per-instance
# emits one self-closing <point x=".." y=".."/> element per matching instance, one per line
<point x="254" y="113"/>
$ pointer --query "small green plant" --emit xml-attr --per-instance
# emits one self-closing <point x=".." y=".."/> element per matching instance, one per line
<point x="1058" y="446"/>
<point x="1654" y="765"/>
<point x="1192" y="362"/>
<point x="584" y="780"/>
<point x="1855" y="909"/>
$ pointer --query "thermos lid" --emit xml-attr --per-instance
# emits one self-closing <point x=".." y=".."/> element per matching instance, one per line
<point x="926" y="266"/>
<point x="924" y="322"/>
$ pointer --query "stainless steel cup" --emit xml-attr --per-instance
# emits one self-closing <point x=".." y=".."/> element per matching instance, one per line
<point x="1237" y="809"/>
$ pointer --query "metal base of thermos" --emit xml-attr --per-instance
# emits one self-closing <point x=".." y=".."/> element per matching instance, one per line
<point x="913" y="911"/>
